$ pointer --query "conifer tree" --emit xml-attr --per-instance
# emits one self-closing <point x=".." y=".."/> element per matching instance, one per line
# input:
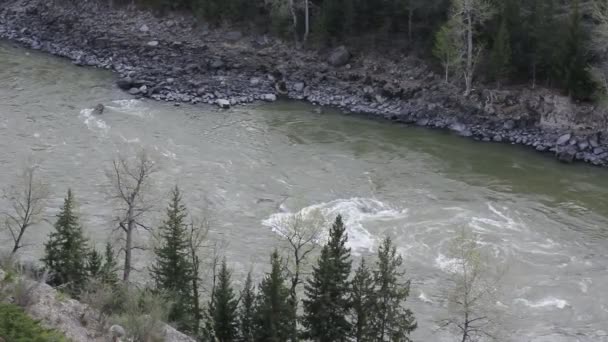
<point x="108" y="270"/>
<point x="363" y="303"/>
<point x="246" y="311"/>
<point x="223" y="308"/>
<point x="391" y="321"/>
<point x="327" y="304"/>
<point x="274" y="313"/>
<point x="500" y="58"/>
<point x="172" y="270"/>
<point x="94" y="263"/>
<point x="66" y="250"/>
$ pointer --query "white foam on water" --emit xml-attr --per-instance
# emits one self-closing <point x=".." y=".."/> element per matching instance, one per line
<point x="131" y="107"/>
<point x="424" y="298"/>
<point x="130" y="141"/>
<point x="543" y="303"/>
<point x="447" y="264"/>
<point x="501" y="221"/>
<point x="36" y="135"/>
<point x="356" y="212"/>
<point x="93" y="122"/>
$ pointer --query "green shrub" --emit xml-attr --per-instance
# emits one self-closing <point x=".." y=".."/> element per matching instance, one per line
<point x="16" y="326"/>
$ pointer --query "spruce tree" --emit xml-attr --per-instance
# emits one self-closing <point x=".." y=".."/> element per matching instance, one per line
<point x="500" y="58"/>
<point x="172" y="270"/>
<point x="274" y="313"/>
<point x="66" y="250"/>
<point x="108" y="270"/>
<point x="94" y="263"/>
<point x="223" y="308"/>
<point x="391" y="321"/>
<point x="246" y="311"/>
<point x="363" y="303"/>
<point x="327" y="292"/>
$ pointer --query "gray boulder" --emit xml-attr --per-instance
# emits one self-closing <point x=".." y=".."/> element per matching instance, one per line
<point x="564" y="139"/>
<point x="339" y="57"/>
<point x="566" y="154"/>
<point x="299" y="86"/>
<point x="233" y="36"/>
<point x="223" y="103"/>
<point x="125" y="83"/>
<point x="144" y="28"/>
<point x="134" y="91"/>
<point x="152" y="43"/>
<point x="269" y="97"/>
<point x="98" y="110"/>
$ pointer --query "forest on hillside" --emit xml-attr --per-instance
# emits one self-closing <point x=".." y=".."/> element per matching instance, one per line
<point x="559" y="44"/>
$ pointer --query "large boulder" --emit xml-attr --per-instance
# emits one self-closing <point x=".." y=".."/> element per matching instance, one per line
<point x="339" y="56"/>
<point x="223" y="103"/>
<point x="125" y="83"/>
<point x="566" y="154"/>
<point x="564" y="139"/>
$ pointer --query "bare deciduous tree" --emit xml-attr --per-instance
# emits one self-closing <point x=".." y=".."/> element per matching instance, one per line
<point x="197" y="239"/>
<point x="301" y="233"/>
<point x="468" y="16"/>
<point x="130" y="181"/>
<point x="27" y="199"/>
<point x="472" y="300"/>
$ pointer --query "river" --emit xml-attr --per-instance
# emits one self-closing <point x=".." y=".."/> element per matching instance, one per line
<point x="544" y="224"/>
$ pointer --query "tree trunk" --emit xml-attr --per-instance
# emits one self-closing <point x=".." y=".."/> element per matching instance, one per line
<point x="469" y="67"/>
<point x="128" y="249"/>
<point x="409" y="23"/>
<point x="294" y="17"/>
<point x="306" y="21"/>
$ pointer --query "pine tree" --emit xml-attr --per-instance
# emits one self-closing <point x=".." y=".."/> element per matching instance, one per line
<point x="246" y="312"/>
<point x="66" y="250"/>
<point x="391" y="321"/>
<point x="94" y="263"/>
<point x="274" y="314"/>
<point x="327" y="304"/>
<point x="172" y="270"/>
<point x="108" y="270"/>
<point x="500" y="58"/>
<point x="223" y="308"/>
<point x="363" y="303"/>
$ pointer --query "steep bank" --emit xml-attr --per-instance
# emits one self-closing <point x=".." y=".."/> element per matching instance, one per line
<point x="175" y="59"/>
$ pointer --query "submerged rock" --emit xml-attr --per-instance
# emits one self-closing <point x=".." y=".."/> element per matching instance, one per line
<point x="98" y="110"/>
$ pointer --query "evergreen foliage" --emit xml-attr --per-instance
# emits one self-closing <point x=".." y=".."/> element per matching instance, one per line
<point x="246" y="311"/>
<point x="223" y="308"/>
<point x="17" y="326"/>
<point x="363" y="303"/>
<point x="94" y="263"/>
<point x="66" y="250"/>
<point x="391" y="321"/>
<point x="327" y="302"/>
<point x="274" y="312"/>
<point x="172" y="269"/>
<point x="108" y="270"/>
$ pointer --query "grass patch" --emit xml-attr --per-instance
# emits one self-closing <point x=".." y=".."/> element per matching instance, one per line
<point x="16" y="326"/>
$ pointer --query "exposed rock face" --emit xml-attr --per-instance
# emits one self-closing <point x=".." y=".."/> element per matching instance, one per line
<point x="75" y="320"/>
<point x="207" y="66"/>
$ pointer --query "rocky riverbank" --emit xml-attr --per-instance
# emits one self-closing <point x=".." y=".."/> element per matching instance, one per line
<point x="178" y="59"/>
